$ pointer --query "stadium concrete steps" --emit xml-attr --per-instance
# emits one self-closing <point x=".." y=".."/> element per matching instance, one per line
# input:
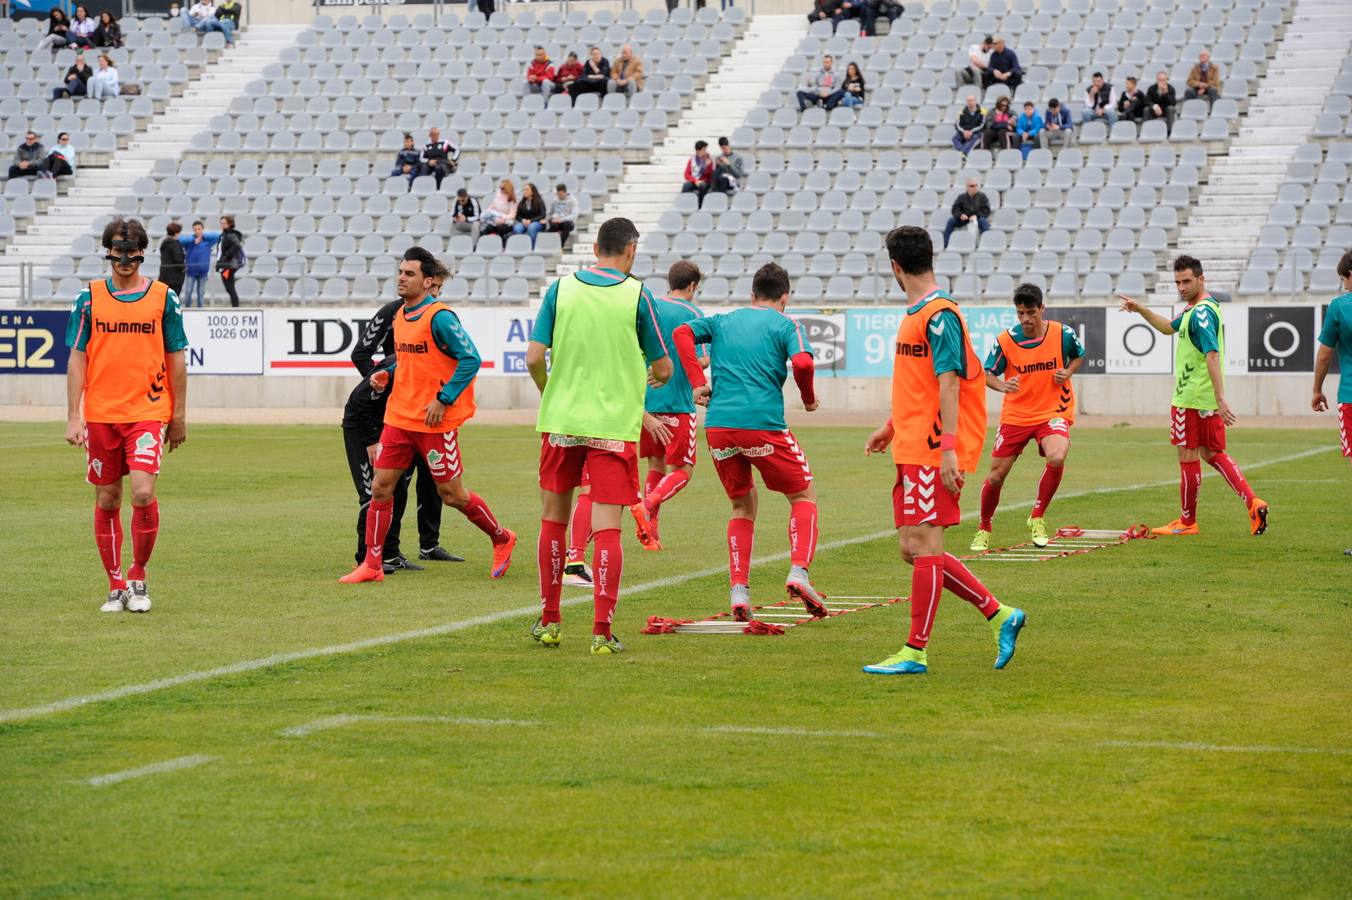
<point x="1224" y="224"/>
<point x="646" y="189"/>
<point x="93" y="191"/>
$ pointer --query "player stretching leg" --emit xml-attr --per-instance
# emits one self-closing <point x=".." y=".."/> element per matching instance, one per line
<point x="127" y="393"/>
<point x="599" y="324"/>
<point x="936" y="430"/>
<point x="745" y="426"/>
<point x="576" y="572"/>
<point x="1336" y="334"/>
<point x="1039" y="406"/>
<point x="1199" y="414"/>
<point x="431" y="397"/>
<point x="668" y="441"/>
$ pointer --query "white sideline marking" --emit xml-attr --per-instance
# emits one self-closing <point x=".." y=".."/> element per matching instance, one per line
<point x="1221" y="748"/>
<point x="169" y="765"/>
<point x="277" y="659"/>
<point x="341" y="721"/>
<point x="792" y="732"/>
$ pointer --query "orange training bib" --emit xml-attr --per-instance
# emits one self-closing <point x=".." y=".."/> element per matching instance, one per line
<point x="420" y="372"/>
<point x="126" y="380"/>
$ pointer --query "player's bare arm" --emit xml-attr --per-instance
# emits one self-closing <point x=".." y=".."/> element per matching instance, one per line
<point x="880" y="440"/>
<point x="659" y="373"/>
<point x="75" y="385"/>
<point x="1157" y="321"/>
<point x="178" y="420"/>
<point x="1061" y="376"/>
<point x="1322" y="361"/>
<point x="435" y="410"/>
<point x="535" y="364"/>
<point x="1004" y="386"/>
<point x="1213" y="369"/>
<point x="949" y="473"/>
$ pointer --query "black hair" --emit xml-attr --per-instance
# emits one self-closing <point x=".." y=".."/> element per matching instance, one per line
<point x="615" y="236"/>
<point x="199" y="222"/>
<point x="700" y="145"/>
<point x="1097" y="75"/>
<point x="1027" y="295"/>
<point x="561" y="187"/>
<point x="125" y="230"/>
<point x="62" y="135"/>
<point x="1345" y="265"/>
<point x="911" y="249"/>
<point x="1053" y="103"/>
<point x="683" y="274"/>
<point x="771" y="282"/>
<point x="1187" y="263"/>
<point x="724" y="142"/>
<point x="427" y="263"/>
<point x="173" y="229"/>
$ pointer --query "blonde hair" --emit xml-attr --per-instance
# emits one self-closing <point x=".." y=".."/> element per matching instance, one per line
<point x="509" y="189"/>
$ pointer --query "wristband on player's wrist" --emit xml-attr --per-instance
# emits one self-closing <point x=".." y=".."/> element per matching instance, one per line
<point x="948" y="442"/>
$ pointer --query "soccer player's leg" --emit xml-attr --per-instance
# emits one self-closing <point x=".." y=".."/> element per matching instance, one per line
<point x="1009" y="443"/>
<point x="1184" y="433"/>
<point x="614" y="488"/>
<point x="785" y="470"/>
<point x="1054" y="445"/>
<point x="576" y="572"/>
<point x="1213" y="452"/>
<point x="105" y="466"/>
<point x="734" y="473"/>
<point x="143" y="448"/>
<point x="561" y="472"/>
<point x="678" y="464"/>
<point x="442" y="453"/>
<point x="653" y="452"/>
<point x="395" y="454"/>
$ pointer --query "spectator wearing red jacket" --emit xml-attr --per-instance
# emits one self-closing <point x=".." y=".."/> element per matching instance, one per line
<point x="569" y="72"/>
<point x="540" y="76"/>
<point x="699" y="172"/>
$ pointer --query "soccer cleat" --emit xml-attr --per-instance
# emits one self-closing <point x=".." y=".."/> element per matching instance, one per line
<point x="116" y="602"/>
<point x="549" y="635"/>
<point x="577" y="575"/>
<point x="363" y="573"/>
<point x="440" y="554"/>
<point x="138" y="598"/>
<point x="643" y="527"/>
<point x="982" y="542"/>
<point x="605" y="646"/>
<point x="1038" y="526"/>
<point x="906" y="661"/>
<point x="1176" y="527"/>
<point x="741" y="603"/>
<point x="1258" y="511"/>
<point x="395" y="563"/>
<point x="1007" y="624"/>
<point x="502" y="555"/>
<point x="800" y="588"/>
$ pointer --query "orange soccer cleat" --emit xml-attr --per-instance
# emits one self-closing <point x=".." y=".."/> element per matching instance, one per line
<point x="502" y="555"/>
<point x="644" y="528"/>
<point x="363" y="573"/>
<point x="1176" y="527"/>
<point x="1258" y="511"/>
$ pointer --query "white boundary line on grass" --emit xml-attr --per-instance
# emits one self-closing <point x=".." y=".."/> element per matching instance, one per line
<point x="278" y="659"/>
<point x="343" y="720"/>
<point x="1219" y="748"/>
<point x="169" y="765"/>
<point x="789" y="732"/>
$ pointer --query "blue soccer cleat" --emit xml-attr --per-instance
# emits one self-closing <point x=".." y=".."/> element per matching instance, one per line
<point x="906" y="661"/>
<point x="1007" y="624"/>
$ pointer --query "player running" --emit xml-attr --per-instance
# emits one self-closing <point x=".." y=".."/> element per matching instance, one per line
<point x="936" y="430"/>
<point x="1199" y="414"/>
<point x="668" y="441"/>
<point x="1336" y="334"/>
<point x="599" y="325"/>
<point x="431" y="397"/>
<point x="127" y="395"/>
<point x="745" y="426"/>
<point x="1039" y="406"/>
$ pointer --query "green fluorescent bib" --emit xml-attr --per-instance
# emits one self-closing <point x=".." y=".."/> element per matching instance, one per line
<point x="1192" y="383"/>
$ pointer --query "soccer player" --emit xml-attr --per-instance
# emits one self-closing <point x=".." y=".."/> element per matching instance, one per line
<point x="1337" y="335"/>
<point x="1039" y="406"/>
<point x="745" y="426"/>
<point x="599" y="325"/>
<point x="936" y="430"/>
<point x="127" y="396"/>
<point x="1199" y="414"/>
<point x="668" y="441"/>
<point x="432" y="395"/>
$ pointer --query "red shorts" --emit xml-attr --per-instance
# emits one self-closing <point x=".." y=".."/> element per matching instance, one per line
<point x="680" y="450"/>
<point x="441" y="452"/>
<point x="609" y="467"/>
<point x="775" y="454"/>
<point x="1345" y="426"/>
<point x="920" y="498"/>
<point x="1010" y="439"/>
<point x="1193" y="428"/>
<point x="113" y="450"/>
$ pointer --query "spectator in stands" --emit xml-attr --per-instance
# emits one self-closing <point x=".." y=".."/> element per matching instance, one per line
<point x="729" y="168"/>
<point x="970" y="205"/>
<point x="825" y="11"/>
<point x="595" y="74"/>
<point x="58" y="26"/>
<point x="28" y="158"/>
<point x="1029" y="129"/>
<point x="109" y="33"/>
<point x="978" y="62"/>
<point x="699" y="172"/>
<point x="857" y="9"/>
<point x="1160" y="100"/>
<point x="971" y="125"/>
<point x="230" y="259"/>
<point x="530" y="213"/>
<point x="1000" y="126"/>
<point x="568" y="74"/>
<point x="225" y="20"/>
<point x="626" y="76"/>
<point x="175" y="13"/>
<point x="465" y="215"/>
<point x="103" y="84"/>
<point x="854" y="87"/>
<point x="820" y="87"/>
<point x="61" y="161"/>
<point x="439" y="157"/>
<point x="82" y="28"/>
<point x="501" y="213"/>
<point x="408" y="161"/>
<point x="77" y="80"/>
<point x="171" y="258"/>
<point x="1098" y="102"/>
<point x="1060" y="126"/>
<point x="201" y="11"/>
<point x="1131" y="103"/>
<point x="885" y="9"/>
<point x="540" y="74"/>
<point x="562" y="213"/>
<point x="1004" y="68"/>
<point x="1204" y="81"/>
<point x="197" y="248"/>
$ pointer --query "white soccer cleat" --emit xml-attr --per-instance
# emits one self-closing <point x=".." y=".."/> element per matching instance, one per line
<point x="138" y="600"/>
<point x="577" y="574"/>
<point x="116" y="602"/>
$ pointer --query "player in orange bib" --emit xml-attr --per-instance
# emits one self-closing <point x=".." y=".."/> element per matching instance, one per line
<point x="432" y="396"/>
<point x="936" y="430"/>
<point x="1039" y="406"/>
<point x="127" y="391"/>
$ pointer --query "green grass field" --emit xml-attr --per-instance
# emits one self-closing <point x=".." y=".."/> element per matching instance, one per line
<point x="1175" y="723"/>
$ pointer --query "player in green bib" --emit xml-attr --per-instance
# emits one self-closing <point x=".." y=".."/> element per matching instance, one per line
<point x="1199" y="414"/>
<point x="1336" y="335"/>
